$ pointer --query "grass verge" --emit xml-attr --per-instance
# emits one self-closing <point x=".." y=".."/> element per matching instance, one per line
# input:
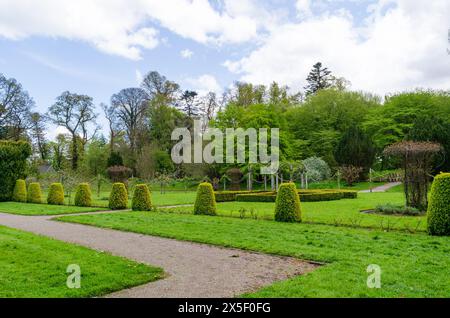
<point x="42" y="209"/>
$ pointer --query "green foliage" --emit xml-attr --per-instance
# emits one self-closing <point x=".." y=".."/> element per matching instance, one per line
<point x="164" y="163"/>
<point x="13" y="165"/>
<point x="439" y="206"/>
<point x="118" y="199"/>
<point x="319" y="78"/>
<point x="20" y="191"/>
<point x="55" y="194"/>
<point x="83" y="195"/>
<point x="317" y="169"/>
<point x="141" y="199"/>
<point x="355" y="148"/>
<point x="96" y="157"/>
<point x="228" y="196"/>
<point x="287" y="204"/>
<point x="205" y="202"/>
<point x="114" y="159"/>
<point x="304" y="195"/>
<point x="34" y="194"/>
<point x="391" y="209"/>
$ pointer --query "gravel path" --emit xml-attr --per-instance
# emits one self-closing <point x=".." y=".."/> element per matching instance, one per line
<point x="193" y="270"/>
<point x="383" y="188"/>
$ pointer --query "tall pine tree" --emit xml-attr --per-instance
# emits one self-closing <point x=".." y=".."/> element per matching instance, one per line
<point x="319" y="78"/>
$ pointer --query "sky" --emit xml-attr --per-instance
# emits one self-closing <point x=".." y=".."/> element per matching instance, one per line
<point x="98" y="47"/>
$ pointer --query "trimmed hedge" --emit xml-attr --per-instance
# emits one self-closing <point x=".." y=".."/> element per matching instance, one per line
<point x="55" y="194"/>
<point x="34" y="194"/>
<point x="118" y="199"/>
<point x="13" y="165"/>
<point x="287" y="205"/>
<point x="438" y="213"/>
<point x="304" y="195"/>
<point x="20" y="191"/>
<point x="83" y="195"/>
<point x="205" y="203"/>
<point x="142" y="200"/>
<point x="229" y="196"/>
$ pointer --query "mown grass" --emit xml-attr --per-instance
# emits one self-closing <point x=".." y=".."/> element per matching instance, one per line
<point x="42" y="209"/>
<point x="35" y="266"/>
<point x="412" y="265"/>
<point x="345" y="212"/>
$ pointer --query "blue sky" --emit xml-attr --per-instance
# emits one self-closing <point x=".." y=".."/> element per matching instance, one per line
<point x="98" y="47"/>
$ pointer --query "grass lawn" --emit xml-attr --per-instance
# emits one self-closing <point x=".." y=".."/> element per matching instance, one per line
<point x="342" y="213"/>
<point x="42" y="209"/>
<point x="413" y="265"/>
<point x="35" y="266"/>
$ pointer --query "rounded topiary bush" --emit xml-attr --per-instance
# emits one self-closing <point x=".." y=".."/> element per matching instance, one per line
<point x="118" y="198"/>
<point x="20" y="191"/>
<point x="205" y="203"/>
<point x="34" y="194"/>
<point x="141" y="198"/>
<point x="83" y="195"/>
<point x="55" y="194"/>
<point x="438" y="213"/>
<point x="287" y="204"/>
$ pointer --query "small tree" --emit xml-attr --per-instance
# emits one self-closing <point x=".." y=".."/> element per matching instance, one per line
<point x="350" y="174"/>
<point x="287" y="205"/>
<point x="118" y="199"/>
<point x="83" y="195"/>
<point x="417" y="162"/>
<point x="34" y="193"/>
<point x="439" y="208"/>
<point x="205" y="203"/>
<point x="141" y="199"/>
<point x="20" y="191"/>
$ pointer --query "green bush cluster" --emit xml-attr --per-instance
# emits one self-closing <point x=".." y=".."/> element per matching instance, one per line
<point x="83" y="195"/>
<point x="205" y="203"/>
<point x="55" y="194"/>
<point x="141" y="198"/>
<point x="438" y="213"/>
<point x="118" y="199"/>
<point x="13" y="165"/>
<point x="34" y="193"/>
<point x="20" y="191"/>
<point x="287" y="205"/>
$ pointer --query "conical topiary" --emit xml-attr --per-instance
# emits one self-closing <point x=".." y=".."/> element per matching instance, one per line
<point x="55" y="194"/>
<point x="205" y="202"/>
<point x="287" y="205"/>
<point x="118" y="199"/>
<point x="438" y="213"/>
<point x="83" y="195"/>
<point x="20" y="191"/>
<point x="34" y="194"/>
<point x="141" y="198"/>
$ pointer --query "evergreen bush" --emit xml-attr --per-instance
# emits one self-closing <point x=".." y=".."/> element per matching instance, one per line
<point x="20" y="191"/>
<point x="438" y="213"/>
<point x="55" y="194"/>
<point x="34" y="194"/>
<point x="83" y="195"/>
<point x="118" y="199"/>
<point x="141" y="198"/>
<point x="205" y="202"/>
<point x="287" y="204"/>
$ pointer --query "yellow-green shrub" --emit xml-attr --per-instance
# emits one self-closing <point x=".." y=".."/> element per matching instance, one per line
<point x="118" y="199"/>
<point x="141" y="198"/>
<point x="34" y="194"/>
<point x="438" y="213"/>
<point x="20" y="191"/>
<point x="55" y="194"/>
<point x="205" y="203"/>
<point x="287" y="204"/>
<point x="83" y="195"/>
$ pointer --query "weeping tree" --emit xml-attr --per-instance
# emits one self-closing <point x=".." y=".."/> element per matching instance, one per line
<point x="417" y="160"/>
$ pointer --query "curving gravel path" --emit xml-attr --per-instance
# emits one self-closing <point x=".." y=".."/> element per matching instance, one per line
<point x="193" y="270"/>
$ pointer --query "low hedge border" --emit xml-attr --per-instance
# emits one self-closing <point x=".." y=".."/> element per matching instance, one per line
<point x="305" y="196"/>
<point x="229" y="196"/>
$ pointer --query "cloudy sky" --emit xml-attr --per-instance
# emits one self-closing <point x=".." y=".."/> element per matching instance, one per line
<point x="98" y="47"/>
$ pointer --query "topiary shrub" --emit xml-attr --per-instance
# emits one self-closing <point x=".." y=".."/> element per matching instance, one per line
<point x="55" y="194"/>
<point x="118" y="199"/>
<point x="34" y="194"/>
<point x="438" y="213"/>
<point x="287" y="204"/>
<point x="20" y="191"/>
<point x="205" y="203"/>
<point x="13" y="165"/>
<point x="83" y="195"/>
<point x="141" y="198"/>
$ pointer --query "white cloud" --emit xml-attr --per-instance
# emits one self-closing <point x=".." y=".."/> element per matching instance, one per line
<point x="121" y="27"/>
<point x="186" y="53"/>
<point x="401" y="47"/>
<point x="139" y="77"/>
<point x="204" y="84"/>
